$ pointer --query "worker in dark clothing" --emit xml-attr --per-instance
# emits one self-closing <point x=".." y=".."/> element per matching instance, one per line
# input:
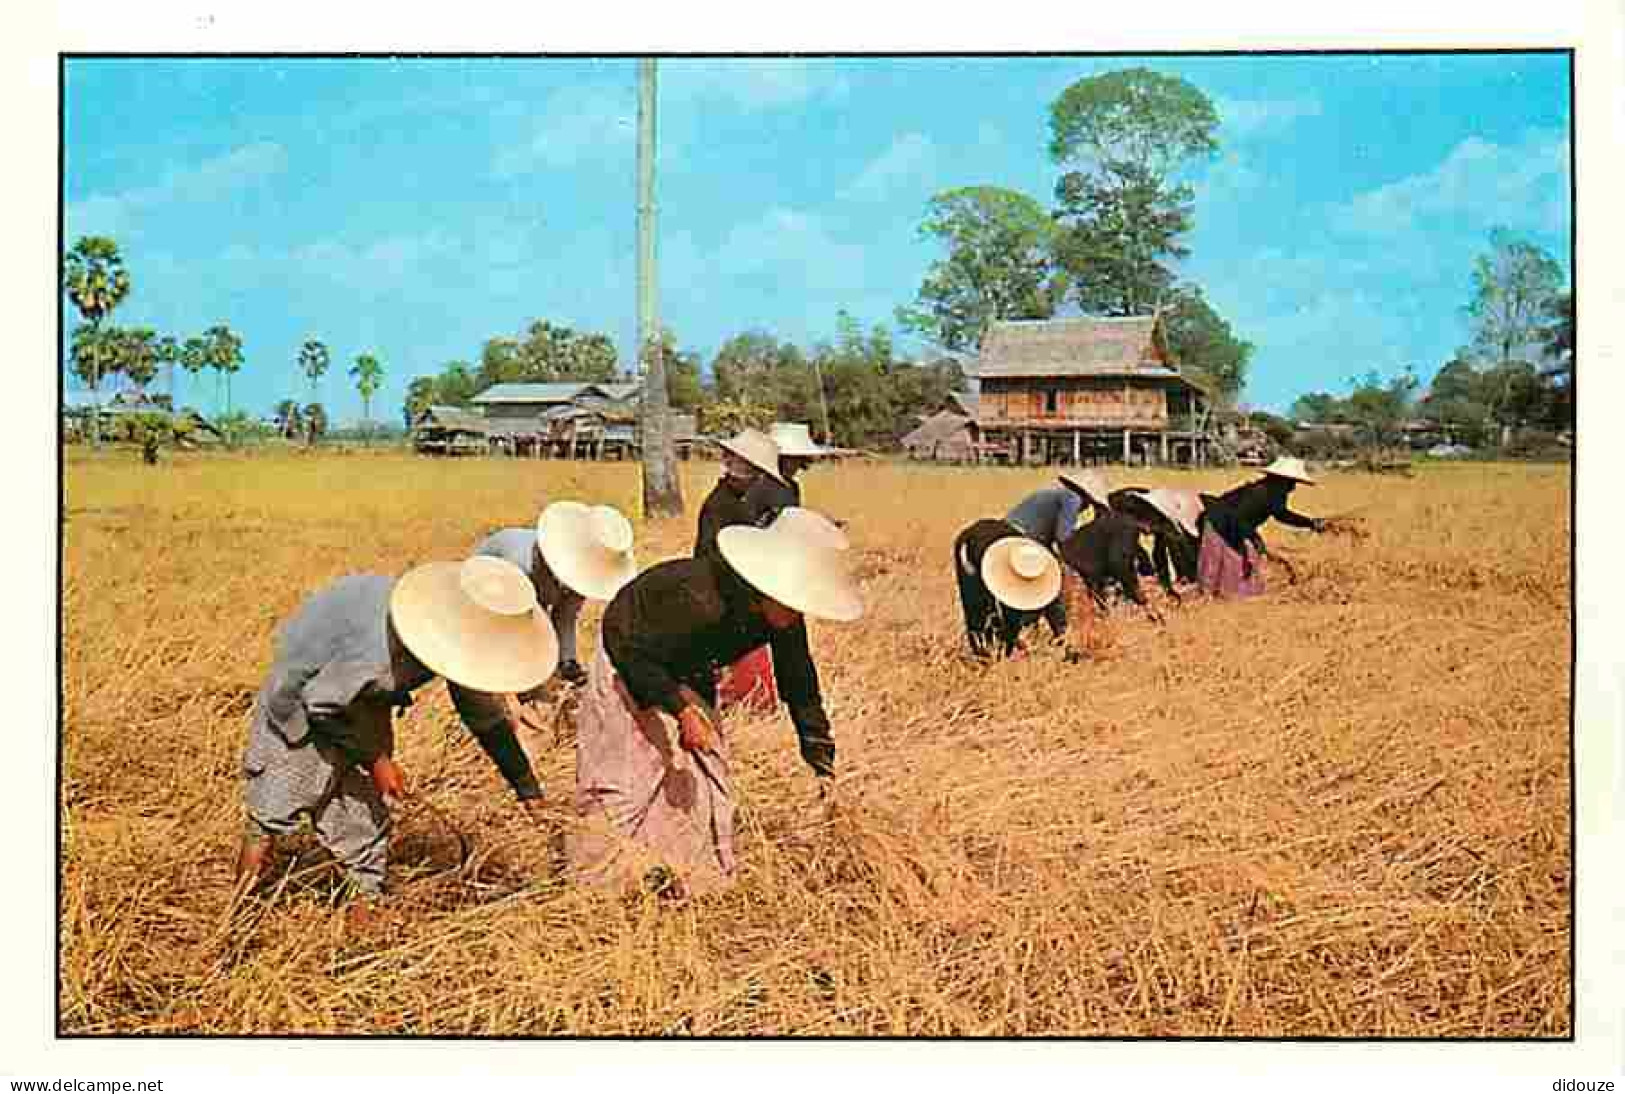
<point x="1006" y="580"/>
<point x="1170" y="517"/>
<point x="1231" y="545"/>
<point x="1048" y="517"/>
<point x="1107" y="551"/>
<point x="746" y="459"/>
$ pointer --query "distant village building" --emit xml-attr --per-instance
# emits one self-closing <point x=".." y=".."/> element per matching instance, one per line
<point x="950" y="435"/>
<point x="571" y="420"/>
<point x="1087" y="390"/>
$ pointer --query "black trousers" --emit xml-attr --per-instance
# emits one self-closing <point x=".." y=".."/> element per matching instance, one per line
<point x="986" y="620"/>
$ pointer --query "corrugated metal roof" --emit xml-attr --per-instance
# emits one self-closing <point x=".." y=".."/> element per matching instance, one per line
<point x="530" y="393"/>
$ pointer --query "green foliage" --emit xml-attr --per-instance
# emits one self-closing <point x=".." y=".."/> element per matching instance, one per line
<point x="999" y="266"/>
<point x="315" y="416"/>
<point x="94" y="277"/>
<point x="1276" y="428"/>
<point x="289" y="420"/>
<point x="1200" y="340"/>
<point x="223" y="352"/>
<point x="684" y="388"/>
<point x="548" y="353"/>
<point x="1118" y="227"/>
<point x="1319" y="407"/>
<point x="94" y="354"/>
<point x="1513" y="286"/>
<point x="1378" y="407"/>
<point x="238" y="428"/>
<point x="368" y="374"/>
<point x="313" y="361"/>
<point x="1132" y="116"/>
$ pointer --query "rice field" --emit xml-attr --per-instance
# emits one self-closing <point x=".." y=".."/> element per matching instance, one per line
<point x="1341" y="810"/>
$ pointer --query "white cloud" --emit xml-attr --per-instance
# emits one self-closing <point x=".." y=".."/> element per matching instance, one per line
<point x="120" y="214"/>
<point x="1522" y="186"/>
<point x="378" y="268"/>
<point x="1245" y="118"/>
<point x="910" y="159"/>
<point x="583" y="123"/>
<point x="796" y="245"/>
<point x="750" y="83"/>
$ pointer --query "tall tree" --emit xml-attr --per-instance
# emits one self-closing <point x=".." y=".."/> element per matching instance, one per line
<point x="999" y="265"/>
<point x="368" y="374"/>
<point x="94" y="354"/>
<point x="1132" y="116"/>
<point x="194" y="355"/>
<point x="1201" y="341"/>
<point x="223" y="353"/>
<point x="315" y="416"/>
<point x="662" y="490"/>
<point x="96" y="281"/>
<point x="313" y="361"/>
<point x="1512" y="287"/>
<point x="1557" y="339"/>
<point x="169" y="352"/>
<point x="138" y="355"/>
<point x="1124" y="134"/>
<point x="1118" y="229"/>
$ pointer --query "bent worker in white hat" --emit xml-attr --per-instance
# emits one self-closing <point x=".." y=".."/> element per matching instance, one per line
<point x="574" y="553"/>
<point x="768" y="496"/>
<point x="587" y="556"/>
<point x="652" y="778"/>
<point x="321" y="738"/>
<point x="1005" y="581"/>
<point x="1231" y="546"/>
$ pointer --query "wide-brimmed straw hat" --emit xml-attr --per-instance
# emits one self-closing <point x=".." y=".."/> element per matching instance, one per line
<point x="795" y="439"/>
<point x="1021" y="573"/>
<point x="588" y="548"/>
<point x="476" y="623"/>
<point x="1289" y="467"/>
<point x="757" y="449"/>
<point x="1091" y="484"/>
<point x="798" y="560"/>
<point x="1182" y="507"/>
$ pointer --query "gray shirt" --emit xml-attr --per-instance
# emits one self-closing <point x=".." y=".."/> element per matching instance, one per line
<point x="1048" y="516"/>
<point x="337" y="673"/>
<point x="518" y="546"/>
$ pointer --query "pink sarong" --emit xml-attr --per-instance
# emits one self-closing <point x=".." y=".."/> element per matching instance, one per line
<point x="749" y="682"/>
<point x="644" y="800"/>
<point x="1219" y="568"/>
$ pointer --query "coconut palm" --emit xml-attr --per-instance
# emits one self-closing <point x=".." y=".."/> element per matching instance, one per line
<point x="94" y="278"/>
<point x="368" y="373"/>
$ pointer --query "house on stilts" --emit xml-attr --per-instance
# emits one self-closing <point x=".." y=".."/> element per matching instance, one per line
<point x="1087" y="390"/>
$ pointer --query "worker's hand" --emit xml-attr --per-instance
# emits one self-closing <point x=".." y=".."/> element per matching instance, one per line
<point x="388" y="777"/>
<point x="694" y="730"/>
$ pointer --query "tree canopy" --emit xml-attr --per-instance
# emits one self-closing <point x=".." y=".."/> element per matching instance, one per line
<point x="1133" y="117"/>
<point x="999" y="265"/>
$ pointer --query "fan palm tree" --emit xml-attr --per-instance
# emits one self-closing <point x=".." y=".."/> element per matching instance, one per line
<point x="94" y="278"/>
<point x="368" y="373"/>
<point x="313" y="361"/>
<point x="224" y="354"/>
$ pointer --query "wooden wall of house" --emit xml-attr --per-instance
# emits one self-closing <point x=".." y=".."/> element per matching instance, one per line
<point x="1074" y="402"/>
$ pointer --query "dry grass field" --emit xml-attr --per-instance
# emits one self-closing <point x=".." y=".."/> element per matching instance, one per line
<point x="1340" y="810"/>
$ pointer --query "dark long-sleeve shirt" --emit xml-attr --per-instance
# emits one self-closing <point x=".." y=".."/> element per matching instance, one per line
<point x="1237" y="516"/>
<point x="1104" y="550"/>
<point x="1173" y="549"/>
<point x="678" y="622"/>
<point x="724" y="506"/>
<point x="767" y="497"/>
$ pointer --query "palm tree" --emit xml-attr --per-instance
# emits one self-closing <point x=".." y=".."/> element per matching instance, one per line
<point x="368" y="374"/>
<point x="225" y="354"/>
<point x="169" y="351"/>
<point x="288" y="419"/>
<point x="95" y="280"/>
<point x="313" y="359"/>
<point x="194" y="355"/>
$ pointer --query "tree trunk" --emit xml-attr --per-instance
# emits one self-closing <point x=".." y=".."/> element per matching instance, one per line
<point x="662" y="491"/>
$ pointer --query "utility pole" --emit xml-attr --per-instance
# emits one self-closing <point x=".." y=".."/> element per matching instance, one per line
<point x="662" y="490"/>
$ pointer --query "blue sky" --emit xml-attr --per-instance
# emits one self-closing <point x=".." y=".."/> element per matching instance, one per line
<point x="414" y="208"/>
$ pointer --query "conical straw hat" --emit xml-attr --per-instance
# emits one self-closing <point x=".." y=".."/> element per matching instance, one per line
<point x="1180" y="506"/>
<point x="1289" y="467"/>
<point x="588" y="547"/>
<point x="795" y="439"/>
<point x="476" y="623"/>
<point x="1021" y="573"/>
<point x="798" y="560"/>
<point x="1091" y="484"/>
<point x="757" y="449"/>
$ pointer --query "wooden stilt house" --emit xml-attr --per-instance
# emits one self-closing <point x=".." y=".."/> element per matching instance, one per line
<point x="1087" y="390"/>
